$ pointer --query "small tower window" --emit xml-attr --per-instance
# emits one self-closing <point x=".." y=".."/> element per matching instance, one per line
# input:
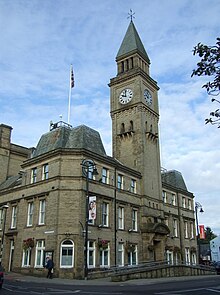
<point x="132" y="62"/>
<point x="131" y="126"/>
<point x="122" y="127"/>
<point x="122" y="67"/>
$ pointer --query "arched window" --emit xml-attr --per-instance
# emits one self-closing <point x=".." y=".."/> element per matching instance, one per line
<point x="151" y="128"/>
<point x="67" y="254"/>
<point x="131" y="126"/>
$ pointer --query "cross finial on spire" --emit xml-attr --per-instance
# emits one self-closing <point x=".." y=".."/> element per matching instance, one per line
<point x="131" y="14"/>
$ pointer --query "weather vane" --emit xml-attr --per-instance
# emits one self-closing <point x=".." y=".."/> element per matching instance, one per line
<point x="131" y="14"/>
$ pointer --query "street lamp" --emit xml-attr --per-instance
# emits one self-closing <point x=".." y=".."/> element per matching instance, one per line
<point x="88" y="170"/>
<point x="4" y="211"/>
<point x="198" y="206"/>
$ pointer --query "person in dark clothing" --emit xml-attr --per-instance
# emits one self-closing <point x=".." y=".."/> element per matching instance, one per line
<point x="49" y="265"/>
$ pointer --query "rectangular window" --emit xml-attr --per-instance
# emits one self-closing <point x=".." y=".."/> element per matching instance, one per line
<point x="104" y="257"/>
<point x="45" y="172"/>
<point x="105" y="176"/>
<point x="105" y="214"/>
<point x="187" y="256"/>
<point x="191" y="230"/>
<point x="134" y="219"/>
<point x="132" y="255"/>
<point x="164" y="196"/>
<point x="30" y="214"/>
<point x="190" y="204"/>
<point x="120" y="254"/>
<point x="1" y="218"/>
<point x="166" y="221"/>
<point x="14" y="217"/>
<point x="120" y="217"/>
<point x="34" y="175"/>
<point x="186" y="229"/>
<point x="173" y="199"/>
<point x="120" y="182"/>
<point x="133" y="186"/>
<point x="184" y="202"/>
<point x="26" y="259"/>
<point x="42" y="212"/>
<point x="175" y="228"/>
<point x="91" y="254"/>
<point x="39" y="257"/>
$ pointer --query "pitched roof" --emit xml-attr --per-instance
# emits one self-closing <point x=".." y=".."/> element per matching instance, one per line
<point x="131" y="44"/>
<point x="174" y="178"/>
<point x="81" y="137"/>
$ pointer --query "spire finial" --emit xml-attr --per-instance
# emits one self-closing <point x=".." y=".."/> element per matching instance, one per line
<point x="131" y="14"/>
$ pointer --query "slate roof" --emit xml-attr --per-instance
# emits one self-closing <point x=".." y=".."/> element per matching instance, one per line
<point x="175" y="179"/>
<point x="81" y="137"/>
<point x="131" y="44"/>
<point x="11" y="182"/>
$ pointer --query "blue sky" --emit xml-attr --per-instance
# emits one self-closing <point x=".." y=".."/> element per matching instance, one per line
<point x="41" y="38"/>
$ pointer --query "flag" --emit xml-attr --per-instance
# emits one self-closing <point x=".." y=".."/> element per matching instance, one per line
<point x="71" y="78"/>
<point x="201" y="232"/>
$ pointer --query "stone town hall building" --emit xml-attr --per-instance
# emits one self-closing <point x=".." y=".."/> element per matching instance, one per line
<point x="142" y="213"/>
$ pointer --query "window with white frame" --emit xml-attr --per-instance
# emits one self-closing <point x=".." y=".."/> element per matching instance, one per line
<point x="67" y="254"/>
<point x="34" y="175"/>
<point x="166" y="221"/>
<point x="132" y="256"/>
<point x="191" y="230"/>
<point x="39" y="257"/>
<point x="164" y="196"/>
<point x="120" y="257"/>
<point x="120" y="217"/>
<point x="173" y="199"/>
<point x="186" y="229"/>
<point x="105" y="175"/>
<point x="120" y="182"/>
<point x="30" y="214"/>
<point x="91" y="254"/>
<point x="14" y="217"/>
<point x="26" y="258"/>
<point x="169" y="257"/>
<point x="42" y="212"/>
<point x="104" y="257"/>
<point x="134" y="219"/>
<point x="45" y="172"/>
<point x="175" y="228"/>
<point x="187" y="256"/>
<point x="183" y="202"/>
<point x="105" y="214"/>
<point x="190" y="204"/>
<point x="133" y="186"/>
<point x="1" y="218"/>
<point x="193" y="258"/>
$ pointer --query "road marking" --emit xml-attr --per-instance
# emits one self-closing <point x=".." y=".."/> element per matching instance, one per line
<point x="212" y="290"/>
<point x="179" y="291"/>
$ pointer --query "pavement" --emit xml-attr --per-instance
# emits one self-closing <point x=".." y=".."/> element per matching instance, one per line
<point x="12" y="276"/>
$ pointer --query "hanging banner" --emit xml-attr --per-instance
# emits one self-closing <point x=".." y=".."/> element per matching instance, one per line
<point x="92" y="208"/>
<point x="201" y="232"/>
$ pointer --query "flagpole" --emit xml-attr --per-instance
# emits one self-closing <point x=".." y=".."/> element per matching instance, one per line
<point x="70" y="90"/>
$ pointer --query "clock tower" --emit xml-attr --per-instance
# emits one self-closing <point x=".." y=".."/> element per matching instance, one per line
<point x="135" y="114"/>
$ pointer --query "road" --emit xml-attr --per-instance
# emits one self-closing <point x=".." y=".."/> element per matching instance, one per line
<point x="170" y="286"/>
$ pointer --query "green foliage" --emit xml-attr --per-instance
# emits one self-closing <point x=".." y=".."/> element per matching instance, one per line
<point x="209" y="235"/>
<point x="209" y="65"/>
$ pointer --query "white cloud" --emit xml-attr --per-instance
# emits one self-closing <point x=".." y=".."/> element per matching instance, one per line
<point x="40" y="39"/>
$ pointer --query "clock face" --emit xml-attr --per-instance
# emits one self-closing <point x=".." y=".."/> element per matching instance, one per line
<point x="125" y="96"/>
<point x="148" y="96"/>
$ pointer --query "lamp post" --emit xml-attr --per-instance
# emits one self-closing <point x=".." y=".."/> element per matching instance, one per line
<point x="4" y="211"/>
<point x="88" y="170"/>
<point x="198" y="206"/>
